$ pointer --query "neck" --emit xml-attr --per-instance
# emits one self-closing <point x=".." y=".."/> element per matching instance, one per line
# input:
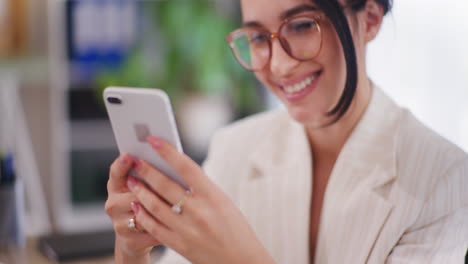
<point x="329" y="140"/>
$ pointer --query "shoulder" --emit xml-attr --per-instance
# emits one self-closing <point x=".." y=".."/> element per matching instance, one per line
<point x="420" y="156"/>
<point x="431" y="170"/>
<point x="424" y="154"/>
<point x="432" y="180"/>
<point x="414" y="136"/>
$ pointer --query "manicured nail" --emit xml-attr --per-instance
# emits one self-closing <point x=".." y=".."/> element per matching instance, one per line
<point x="131" y="182"/>
<point x="137" y="164"/>
<point x="155" y="142"/>
<point x="135" y="207"/>
<point x="123" y="158"/>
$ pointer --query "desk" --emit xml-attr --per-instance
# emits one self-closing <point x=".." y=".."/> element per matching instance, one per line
<point x="32" y="255"/>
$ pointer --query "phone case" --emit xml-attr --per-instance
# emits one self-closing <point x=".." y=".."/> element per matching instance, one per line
<point x="140" y="113"/>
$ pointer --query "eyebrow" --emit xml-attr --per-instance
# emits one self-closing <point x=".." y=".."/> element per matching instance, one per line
<point x="297" y="10"/>
<point x="285" y="14"/>
<point x="251" y="24"/>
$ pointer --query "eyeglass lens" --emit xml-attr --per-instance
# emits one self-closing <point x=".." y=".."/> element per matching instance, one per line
<point x="299" y="37"/>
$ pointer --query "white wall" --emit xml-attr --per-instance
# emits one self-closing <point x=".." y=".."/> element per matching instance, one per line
<point x="420" y="58"/>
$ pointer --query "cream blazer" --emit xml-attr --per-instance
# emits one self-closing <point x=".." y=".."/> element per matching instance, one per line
<point x="398" y="192"/>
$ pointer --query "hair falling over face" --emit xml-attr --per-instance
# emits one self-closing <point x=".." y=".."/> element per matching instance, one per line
<point x="334" y="11"/>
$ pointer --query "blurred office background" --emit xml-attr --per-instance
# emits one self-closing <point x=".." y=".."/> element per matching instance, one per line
<point x="60" y="55"/>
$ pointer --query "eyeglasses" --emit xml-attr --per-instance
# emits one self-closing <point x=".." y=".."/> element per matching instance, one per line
<point x="300" y="37"/>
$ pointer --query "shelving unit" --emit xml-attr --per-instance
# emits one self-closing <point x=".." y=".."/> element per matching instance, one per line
<point x="15" y="138"/>
<point x="82" y="147"/>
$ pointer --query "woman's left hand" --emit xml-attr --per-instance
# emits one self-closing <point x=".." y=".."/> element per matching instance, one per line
<point x="208" y="229"/>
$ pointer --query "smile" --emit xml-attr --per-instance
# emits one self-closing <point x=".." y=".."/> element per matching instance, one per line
<point x="300" y="86"/>
<point x="297" y="91"/>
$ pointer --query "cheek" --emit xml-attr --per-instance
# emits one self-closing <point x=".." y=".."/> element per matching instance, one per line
<point x="334" y="63"/>
<point x="263" y="78"/>
<point x="332" y="49"/>
<point x="260" y="76"/>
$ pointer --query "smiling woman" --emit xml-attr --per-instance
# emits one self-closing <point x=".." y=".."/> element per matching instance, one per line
<point x="342" y="174"/>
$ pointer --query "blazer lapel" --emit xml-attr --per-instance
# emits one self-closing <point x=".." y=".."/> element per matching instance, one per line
<point x="280" y="182"/>
<point x="355" y="205"/>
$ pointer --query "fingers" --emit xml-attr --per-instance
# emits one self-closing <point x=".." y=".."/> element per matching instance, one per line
<point x="166" y="188"/>
<point x="118" y="173"/>
<point x="121" y="225"/>
<point x="154" y="205"/>
<point x="119" y="203"/>
<point x="130" y="234"/>
<point x="190" y="172"/>
<point x="118" y="207"/>
<point x="154" y="227"/>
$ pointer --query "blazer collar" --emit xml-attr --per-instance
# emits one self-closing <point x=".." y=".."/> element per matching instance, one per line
<point x="357" y="200"/>
<point x="280" y="169"/>
<point x="372" y="143"/>
<point x="287" y="145"/>
<point x="364" y="170"/>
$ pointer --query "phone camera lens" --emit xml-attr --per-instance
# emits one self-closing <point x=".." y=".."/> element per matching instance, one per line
<point x="114" y="100"/>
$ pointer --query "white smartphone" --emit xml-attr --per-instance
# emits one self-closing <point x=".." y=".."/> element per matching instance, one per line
<point x="135" y="114"/>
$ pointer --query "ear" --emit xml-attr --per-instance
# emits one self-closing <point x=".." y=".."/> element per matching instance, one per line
<point x="373" y="15"/>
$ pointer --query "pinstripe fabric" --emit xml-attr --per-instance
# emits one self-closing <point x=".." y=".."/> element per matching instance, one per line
<point x="398" y="192"/>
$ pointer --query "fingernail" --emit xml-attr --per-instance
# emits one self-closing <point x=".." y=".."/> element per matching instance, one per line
<point x="137" y="164"/>
<point x="135" y="207"/>
<point x="155" y="142"/>
<point x="123" y="158"/>
<point x="131" y="182"/>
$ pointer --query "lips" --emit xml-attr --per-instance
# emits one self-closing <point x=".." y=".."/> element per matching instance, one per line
<point x="295" y="91"/>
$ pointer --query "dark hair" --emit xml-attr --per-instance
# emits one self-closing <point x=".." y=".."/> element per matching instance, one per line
<point x="334" y="12"/>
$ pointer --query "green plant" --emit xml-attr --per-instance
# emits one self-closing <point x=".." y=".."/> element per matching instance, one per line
<point x="192" y="56"/>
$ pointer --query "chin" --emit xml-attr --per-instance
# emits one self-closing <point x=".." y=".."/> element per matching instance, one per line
<point x="306" y="117"/>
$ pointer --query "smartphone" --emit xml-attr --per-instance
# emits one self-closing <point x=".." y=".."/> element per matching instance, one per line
<point x="135" y="114"/>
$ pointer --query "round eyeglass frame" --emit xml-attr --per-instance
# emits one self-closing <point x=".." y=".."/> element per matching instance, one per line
<point x="271" y="36"/>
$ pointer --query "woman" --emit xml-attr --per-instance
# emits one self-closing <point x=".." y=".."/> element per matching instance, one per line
<point x="343" y="175"/>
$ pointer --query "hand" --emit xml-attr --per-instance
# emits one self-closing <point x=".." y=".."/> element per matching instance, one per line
<point x="209" y="228"/>
<point x="131" y="243"/>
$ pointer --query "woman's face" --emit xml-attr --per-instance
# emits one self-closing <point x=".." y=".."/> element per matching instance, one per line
<point x="320" y="80"/>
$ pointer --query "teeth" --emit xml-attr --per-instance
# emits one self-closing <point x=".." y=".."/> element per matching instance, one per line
<point x="299" y="86"/>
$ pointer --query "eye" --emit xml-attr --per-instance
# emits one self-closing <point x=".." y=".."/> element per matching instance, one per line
<point x="257" y="38"/>
<point x="302" y="26"/>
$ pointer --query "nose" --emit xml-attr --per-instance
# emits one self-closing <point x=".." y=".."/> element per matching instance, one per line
<point x="281" y="64"/>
